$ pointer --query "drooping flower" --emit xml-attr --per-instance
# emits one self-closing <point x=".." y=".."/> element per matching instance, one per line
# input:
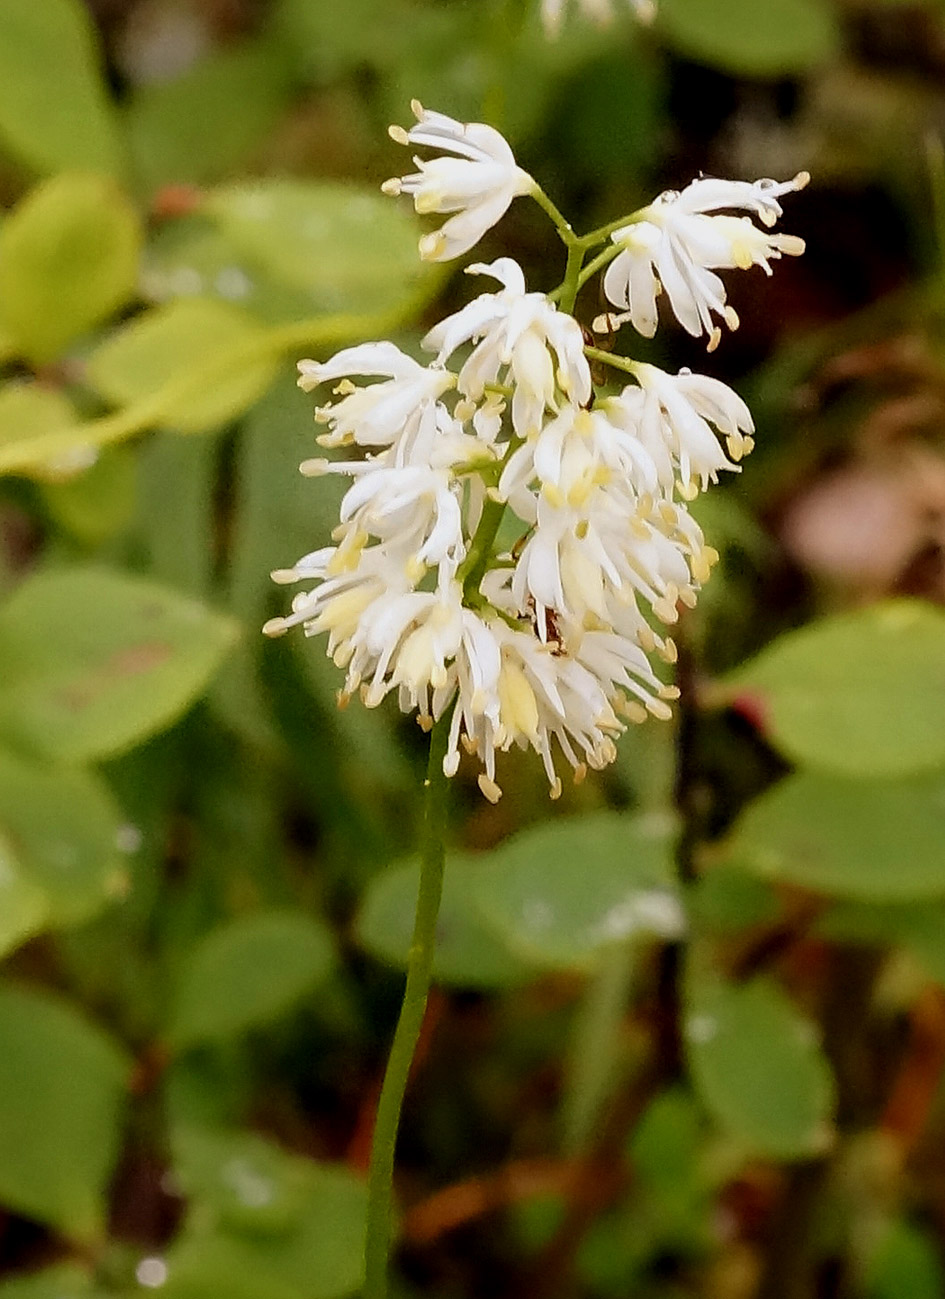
<point x="521" y="339"/>
<point x="477" y="183"/>
<point x="600" y="12"/>
<point x="680" y="240"/>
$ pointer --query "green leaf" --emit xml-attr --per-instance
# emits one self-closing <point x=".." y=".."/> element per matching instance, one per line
<point x="246" y="972"/>
<point x="68" y="259"/>
<point x="191" y="335"/>
<point x="27" y="409"/>
<point x="859" y="693"/>
<point x="96" y="503"/>
<point x="62" y="1085"/>
<point x="204" y="124"/>
<point x="905" y="1265"/>
<point x="61" y="1281"/>
<point x="785" y="37"/>
<point x="54" y="111"/>
<point x="63" y="829"/>
<point x="919" y="927"/>
<point x="289" y="249"/>
<point x="758" y="1068"/>
<point x="468" y="954"/>
<point x="725" y="900"/>
<point x="95" y="661"/>
<point x="264" y="1224"/>
<point x="560" y="893"/>
<point x="22" y="903"/>
<point x="875" y="840"/>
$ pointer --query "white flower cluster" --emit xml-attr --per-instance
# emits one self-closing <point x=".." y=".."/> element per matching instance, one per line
<point x="543" y="640"/>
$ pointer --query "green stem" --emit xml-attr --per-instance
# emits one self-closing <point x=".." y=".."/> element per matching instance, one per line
<point x="597" y="263"/>
<point x="416" y="990"/>
<point x="625" y="363"/>
<point x="473" y="568"/>
<point x="572" y="278"/>
<point x="604" y="232"/>
<point x="561" y="222"/>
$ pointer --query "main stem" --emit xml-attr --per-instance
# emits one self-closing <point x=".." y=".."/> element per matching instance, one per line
<point x="416" y="990"/>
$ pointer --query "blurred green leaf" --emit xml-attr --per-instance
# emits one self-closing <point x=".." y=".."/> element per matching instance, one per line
<point x="63" y="828"/>
<point x="96" y="661"/>
<point x="97" y="503"/>
<point x="61" y="1281"/>
<point x="264" y="1224"/>
<point x="561" y="892"/>
<point x="859" y="693"/>
<point x="468" y="953"/>
<point x="726" y="900"/>
<point x="205" y="123"/>
<point x="875" y="840"/>
<point x="905" y="1265"/>
<point x="246" y="972"/>
<point x="288" y="249"/>
<point x="68" y="259"/>
<point x="23" y="906"/>
<point x="785" y="37"/>
<point x="161" y="344"/>
<point x="54" y="110"/>
<point x="758" y="1068"/>
<point x="28" y="409"/>
<point x="919" y="927"/>
<point x="62" y="1085"/>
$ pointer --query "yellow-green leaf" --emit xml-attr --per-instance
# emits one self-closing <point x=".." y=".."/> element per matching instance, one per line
<point x="54" y="109"/>
<point x="186" y="337"/>
<point x="68" y="259"/>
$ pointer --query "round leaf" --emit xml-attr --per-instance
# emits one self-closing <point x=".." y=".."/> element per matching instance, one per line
<point x="468" y="954"/>
<point x="68" y="259"/>
<point x="875" y="840"/>
<point x="758" y="1068"/>
<point x="54" y="112"/>
<point x="64" y="829"/>
<point x="265" y="1225"/>
<point x="860" y="693"/>
<point x="62" y="1084"/>
<point x="248" y="971"/>
<point x="192" y="336"/>
<point x="561" y="892"/>
<point x="783" y="37"/>
<point x="96" y="661"/>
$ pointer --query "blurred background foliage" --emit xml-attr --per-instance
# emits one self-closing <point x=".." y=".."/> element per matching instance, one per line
<point x="205" y="877"/>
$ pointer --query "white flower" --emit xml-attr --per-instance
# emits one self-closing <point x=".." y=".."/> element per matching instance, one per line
<point x="521" y="338"/>
<point x="478" y="184"/>
<point x="670" y="415"/>
<point x="402" y="410"/>
<point x="598" y="11"/>
<point x="676" y="246"/>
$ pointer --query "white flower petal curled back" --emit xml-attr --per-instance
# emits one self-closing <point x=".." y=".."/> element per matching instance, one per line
<point x="398" y="412"/>
<point x="600" y="12"/>
<point x="670" y="418"/>
<point x="520" y="338"/>
<point x="678" y="243"/>
<point x="477" y="183"/>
